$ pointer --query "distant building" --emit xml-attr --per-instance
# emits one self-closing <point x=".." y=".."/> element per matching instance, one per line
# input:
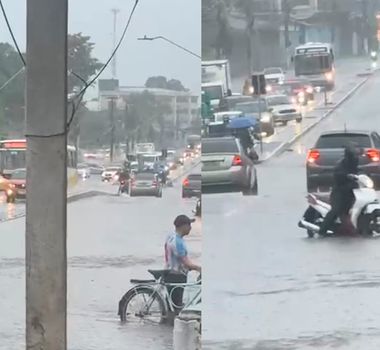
<point x="185" y="105"/>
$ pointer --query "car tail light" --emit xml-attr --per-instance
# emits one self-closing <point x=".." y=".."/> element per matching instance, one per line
<point x="155" y="183"/>
<point x="312" y="156"/>
<point x="237" y="161"/>
<point x="186" y="182"/>
<point x="373" y="154"/>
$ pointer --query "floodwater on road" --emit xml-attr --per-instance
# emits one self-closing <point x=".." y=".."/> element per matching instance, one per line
<point x="110" y="240"/>
<point x="268" y="287"/>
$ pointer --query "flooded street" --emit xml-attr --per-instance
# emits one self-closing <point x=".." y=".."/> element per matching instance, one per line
<point x="110" y="240"/>
<point x="279" y="289"/>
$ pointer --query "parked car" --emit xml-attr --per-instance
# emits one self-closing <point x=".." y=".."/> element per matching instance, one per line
<point x="329" y="150"/>
<point x="225" y="165"/>
<point x="283" y="109"/>
<point x="16" y="185"/>
<point x="145" y="183"/>
<point x="191" y="186"/>
<point x="256" y="108"/>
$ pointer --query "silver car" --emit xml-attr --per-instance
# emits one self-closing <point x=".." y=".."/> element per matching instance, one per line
<point x="283" y="110"/>
<point x="145" y="184"/>
<point x="226" y="165"/>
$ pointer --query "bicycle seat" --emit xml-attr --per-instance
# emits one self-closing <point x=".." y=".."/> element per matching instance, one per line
<point x="134" y="281"/>
<point x="159" y="273"/>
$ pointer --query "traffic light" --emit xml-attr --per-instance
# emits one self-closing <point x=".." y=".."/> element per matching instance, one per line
<point x="259" y="84"/>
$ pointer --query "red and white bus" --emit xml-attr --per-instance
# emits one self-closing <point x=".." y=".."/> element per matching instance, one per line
<point x="13" y="156"/>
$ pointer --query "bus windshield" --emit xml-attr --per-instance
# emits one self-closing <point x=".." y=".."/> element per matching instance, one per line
<point x="12" y="159"/>
<point x="305" y="65"/>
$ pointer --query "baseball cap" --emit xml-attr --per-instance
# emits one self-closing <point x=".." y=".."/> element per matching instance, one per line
<point x="182" y="220"/>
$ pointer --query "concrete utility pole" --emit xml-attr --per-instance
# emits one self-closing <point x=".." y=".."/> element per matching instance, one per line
<point x="46" y="118"/>
<point x="114" y="61"/>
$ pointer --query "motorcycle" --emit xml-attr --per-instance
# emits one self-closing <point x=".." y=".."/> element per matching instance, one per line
<point x="364" y="215"/>
<point x="123" y="187"/>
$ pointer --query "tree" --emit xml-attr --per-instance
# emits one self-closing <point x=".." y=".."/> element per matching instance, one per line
<point x="145" y="115"/>
<point x="12" y="97"/>
<point x="247" y="7"/>
<point x="80" y="60"/>
<point x="216" y="12"/>
<point x="160" y="82"/>
<point x="176" y="85"/>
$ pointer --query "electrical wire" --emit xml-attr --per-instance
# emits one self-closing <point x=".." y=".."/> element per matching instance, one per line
<point x="11" y="33"/>
<point x="93" y="80"/>
<point x="14" y="76"/>
<point x="81" y="94"/>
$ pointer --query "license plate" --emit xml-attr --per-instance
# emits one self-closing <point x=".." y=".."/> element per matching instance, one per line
<point x="22" y="192"/>
<point x="209" y="165"/>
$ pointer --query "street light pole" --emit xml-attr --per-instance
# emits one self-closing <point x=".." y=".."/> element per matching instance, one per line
<point x="160" y="37"/>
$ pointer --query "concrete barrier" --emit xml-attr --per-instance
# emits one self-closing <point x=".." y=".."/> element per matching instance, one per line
<point x="187" y="332"/>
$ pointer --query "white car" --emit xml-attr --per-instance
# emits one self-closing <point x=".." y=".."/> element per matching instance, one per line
<point x="110" y="174"/>
<point x="274" y="75"/>
<point x="283" y="110"/>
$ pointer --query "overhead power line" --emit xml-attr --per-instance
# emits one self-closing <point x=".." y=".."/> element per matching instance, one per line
<point x="80" y="95"/>
<point x="11" y="33"/>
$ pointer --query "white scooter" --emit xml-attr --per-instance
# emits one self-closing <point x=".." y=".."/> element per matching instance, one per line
<point x="365" y="213"/>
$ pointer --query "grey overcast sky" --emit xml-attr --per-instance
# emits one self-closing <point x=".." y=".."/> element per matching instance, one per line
<point x="178" y="20"/>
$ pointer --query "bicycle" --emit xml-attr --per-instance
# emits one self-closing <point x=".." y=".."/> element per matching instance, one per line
<point x="156" y="293"/>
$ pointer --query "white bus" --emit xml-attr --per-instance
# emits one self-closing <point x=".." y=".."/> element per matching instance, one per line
<point x="315" y="62"/>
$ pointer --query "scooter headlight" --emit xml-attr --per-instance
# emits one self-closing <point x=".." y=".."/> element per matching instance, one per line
<point x="367" y="182"/>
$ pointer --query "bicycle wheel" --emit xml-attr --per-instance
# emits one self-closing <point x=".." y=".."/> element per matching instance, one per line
<point x="142" y="304"/>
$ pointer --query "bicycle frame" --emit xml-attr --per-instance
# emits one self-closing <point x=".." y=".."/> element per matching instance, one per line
<point x="161" y="288"/>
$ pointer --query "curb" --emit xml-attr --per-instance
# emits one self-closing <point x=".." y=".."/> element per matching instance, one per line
<point x="87" y="194"/>
<point x="280" y="149"/>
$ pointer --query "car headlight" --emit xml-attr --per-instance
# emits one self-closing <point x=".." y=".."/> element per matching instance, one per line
<point x="265" y="118"/>
<point x="268" y="88"/>
<point x="329" y="76"/>
<point x="251" y="90"/>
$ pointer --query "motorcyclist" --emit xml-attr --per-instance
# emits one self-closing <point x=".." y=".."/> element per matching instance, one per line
<point x="124" y="175"/>
<point x="342" y="197"/>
